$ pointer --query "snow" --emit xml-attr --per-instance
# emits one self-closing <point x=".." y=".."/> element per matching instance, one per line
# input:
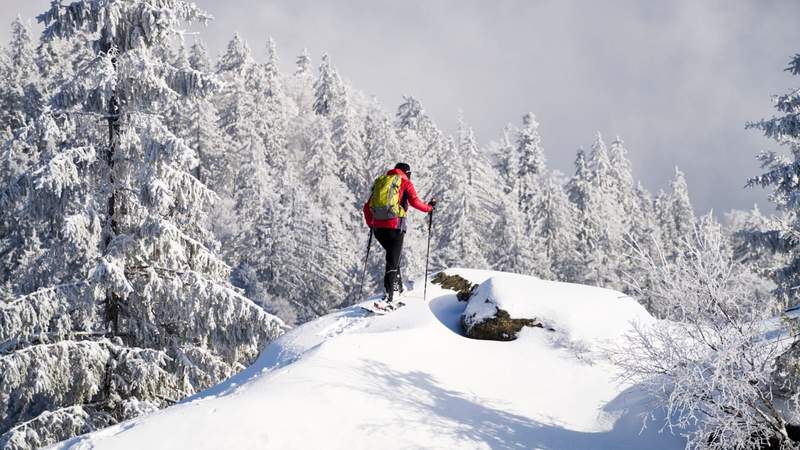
<point x="582" y="314"/>
<point x="410" y="379"/>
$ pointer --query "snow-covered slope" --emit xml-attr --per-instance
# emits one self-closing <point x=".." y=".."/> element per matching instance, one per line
<point x="410" y="380"/>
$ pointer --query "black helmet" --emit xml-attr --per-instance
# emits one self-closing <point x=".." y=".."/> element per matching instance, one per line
<point x="404" y="167"/>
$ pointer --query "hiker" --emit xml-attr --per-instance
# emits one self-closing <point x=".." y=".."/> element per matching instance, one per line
<point x="385" y="213"/>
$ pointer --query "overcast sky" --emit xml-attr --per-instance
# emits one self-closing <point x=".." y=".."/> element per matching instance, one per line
<point x="676" y="80"/>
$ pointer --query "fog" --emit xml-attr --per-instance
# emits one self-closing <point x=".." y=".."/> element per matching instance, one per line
<point x="676" y="80"/>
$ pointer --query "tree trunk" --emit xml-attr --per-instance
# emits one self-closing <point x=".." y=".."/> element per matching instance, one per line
<point x="113" y="301"/>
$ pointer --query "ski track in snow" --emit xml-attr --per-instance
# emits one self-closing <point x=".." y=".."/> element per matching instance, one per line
<point x="407" y="380"/>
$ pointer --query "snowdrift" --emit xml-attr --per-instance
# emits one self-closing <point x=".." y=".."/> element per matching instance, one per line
<point x="410" y="379"/>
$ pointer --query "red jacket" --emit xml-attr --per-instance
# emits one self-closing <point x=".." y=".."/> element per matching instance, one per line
<point x="408" y="196"/>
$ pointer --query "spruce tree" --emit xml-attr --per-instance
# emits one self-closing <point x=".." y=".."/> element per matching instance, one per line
<point x="420" y="145"/>
<point x="380" y="143"/>
<point x="508" y="161"/>
<point x="531" y="167"/>
<point x="460" y="224"/>
<point x="301" y="84"/>
<point x="125" y="307"/>
<point x="781" y="172"/>
<point x="334" y="263"/>
<point x="410" y="120"/>
<point x="275" y="107"/>
<point x="683" y="219"/>
<point x="20" y="93"/>
<point x="346" y="137"/>
<point x="633" y="212"/>
<point x="327" y="88"/>
<point x="557" y="229"/>
<point x="513" y="252"/>
<point x="20" y="102"/>
<point x="581" y="192"/>
<point x="242" y="120"/>
<point x="608" y="213"/>
<point x="203" y="133"/>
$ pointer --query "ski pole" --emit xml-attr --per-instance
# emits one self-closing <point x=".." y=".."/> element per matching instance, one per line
<point x="366" y="260"/>
<point x="427" y="257"/>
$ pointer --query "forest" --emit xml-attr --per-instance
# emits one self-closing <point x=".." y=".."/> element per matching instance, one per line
<point x="164" y="213"/>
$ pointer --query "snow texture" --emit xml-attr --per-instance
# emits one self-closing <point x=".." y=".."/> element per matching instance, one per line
<point x="410" y="379"/>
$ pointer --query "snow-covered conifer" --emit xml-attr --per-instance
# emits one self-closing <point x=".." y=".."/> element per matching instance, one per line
<point x="781" y="175"/>
<point x="508" y="160"/>
<point x="202" y="132"/>
<point x="581" y="192"/>
<point x="609" y="215"/>
<point x="380" y="143"/>
<point x="333" y="262"/>
<point x="132" y="310"/>
<point x="743" y="226"/>
<point x="556" y="227"/>
<point x="460" y="230"/>
<point x="275" y="107"/>
<point x="682" y="212"/>
<point x="531" y="166"/>
<point x="346" y="137"/>
<point x="301" y="84"/>
<point x="327" y="88"/>
<point x="242" y="118"/>
<point x="421" y="144"/>
<point x="20" y="94"/>
<point x="303" y="63"/>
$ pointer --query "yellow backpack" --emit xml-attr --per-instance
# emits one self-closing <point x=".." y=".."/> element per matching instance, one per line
<point x="385" y="200"/>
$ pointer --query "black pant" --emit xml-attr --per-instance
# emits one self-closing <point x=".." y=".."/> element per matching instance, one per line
<point x="392" y="241"/>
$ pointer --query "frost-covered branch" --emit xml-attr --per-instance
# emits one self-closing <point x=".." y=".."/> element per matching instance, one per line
<point x="713" y="363"/>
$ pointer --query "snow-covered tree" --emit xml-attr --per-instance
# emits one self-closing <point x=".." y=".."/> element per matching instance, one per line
<point x="513" y="248"/>
<point x="334" y="264"/>
<point x="328" y="88"/>
<point x="683" y="218"/>
<point x="275" y="109"/>
<point x="238" y="104"/>
<point x="460" y="229"/>
<point x="242" y="120"/>
<point x="301" y="84"/>
<point x="742" y="226"/>
<point x="125" y="307"/>
<point x="531" y="167"/>
<point x="410" y="123"/>
<point x="625" y="189"/>
<point x="555" y="226"/>
<point x="332" y="100"/>
<point x="598" y="221"/>
<point x="380" y="144"/>
<point x="508" y="161"/>
<point x="20" y="93"/>
<point x="632" y="205"/>
<point x="202" y="132"/>
<point x="608" y="211"/>
<point x="643" y="232"/>
<point x="421" y="145"/>
<point x="20" y="101"/>
<point x="782" y="175"/>
<point x="711" y="365"/>
<point x="347" y="140"/>
<point x="581" y="192"/>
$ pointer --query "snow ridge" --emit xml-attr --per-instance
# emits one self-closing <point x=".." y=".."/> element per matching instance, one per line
<point x="407" y="380"/>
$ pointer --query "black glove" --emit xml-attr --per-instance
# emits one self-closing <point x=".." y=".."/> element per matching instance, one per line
<point x="432" y="203"/>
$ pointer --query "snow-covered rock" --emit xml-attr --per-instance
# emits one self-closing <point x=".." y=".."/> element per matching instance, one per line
<point x="581" y="314"/>
<point x="410" y="379"/>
